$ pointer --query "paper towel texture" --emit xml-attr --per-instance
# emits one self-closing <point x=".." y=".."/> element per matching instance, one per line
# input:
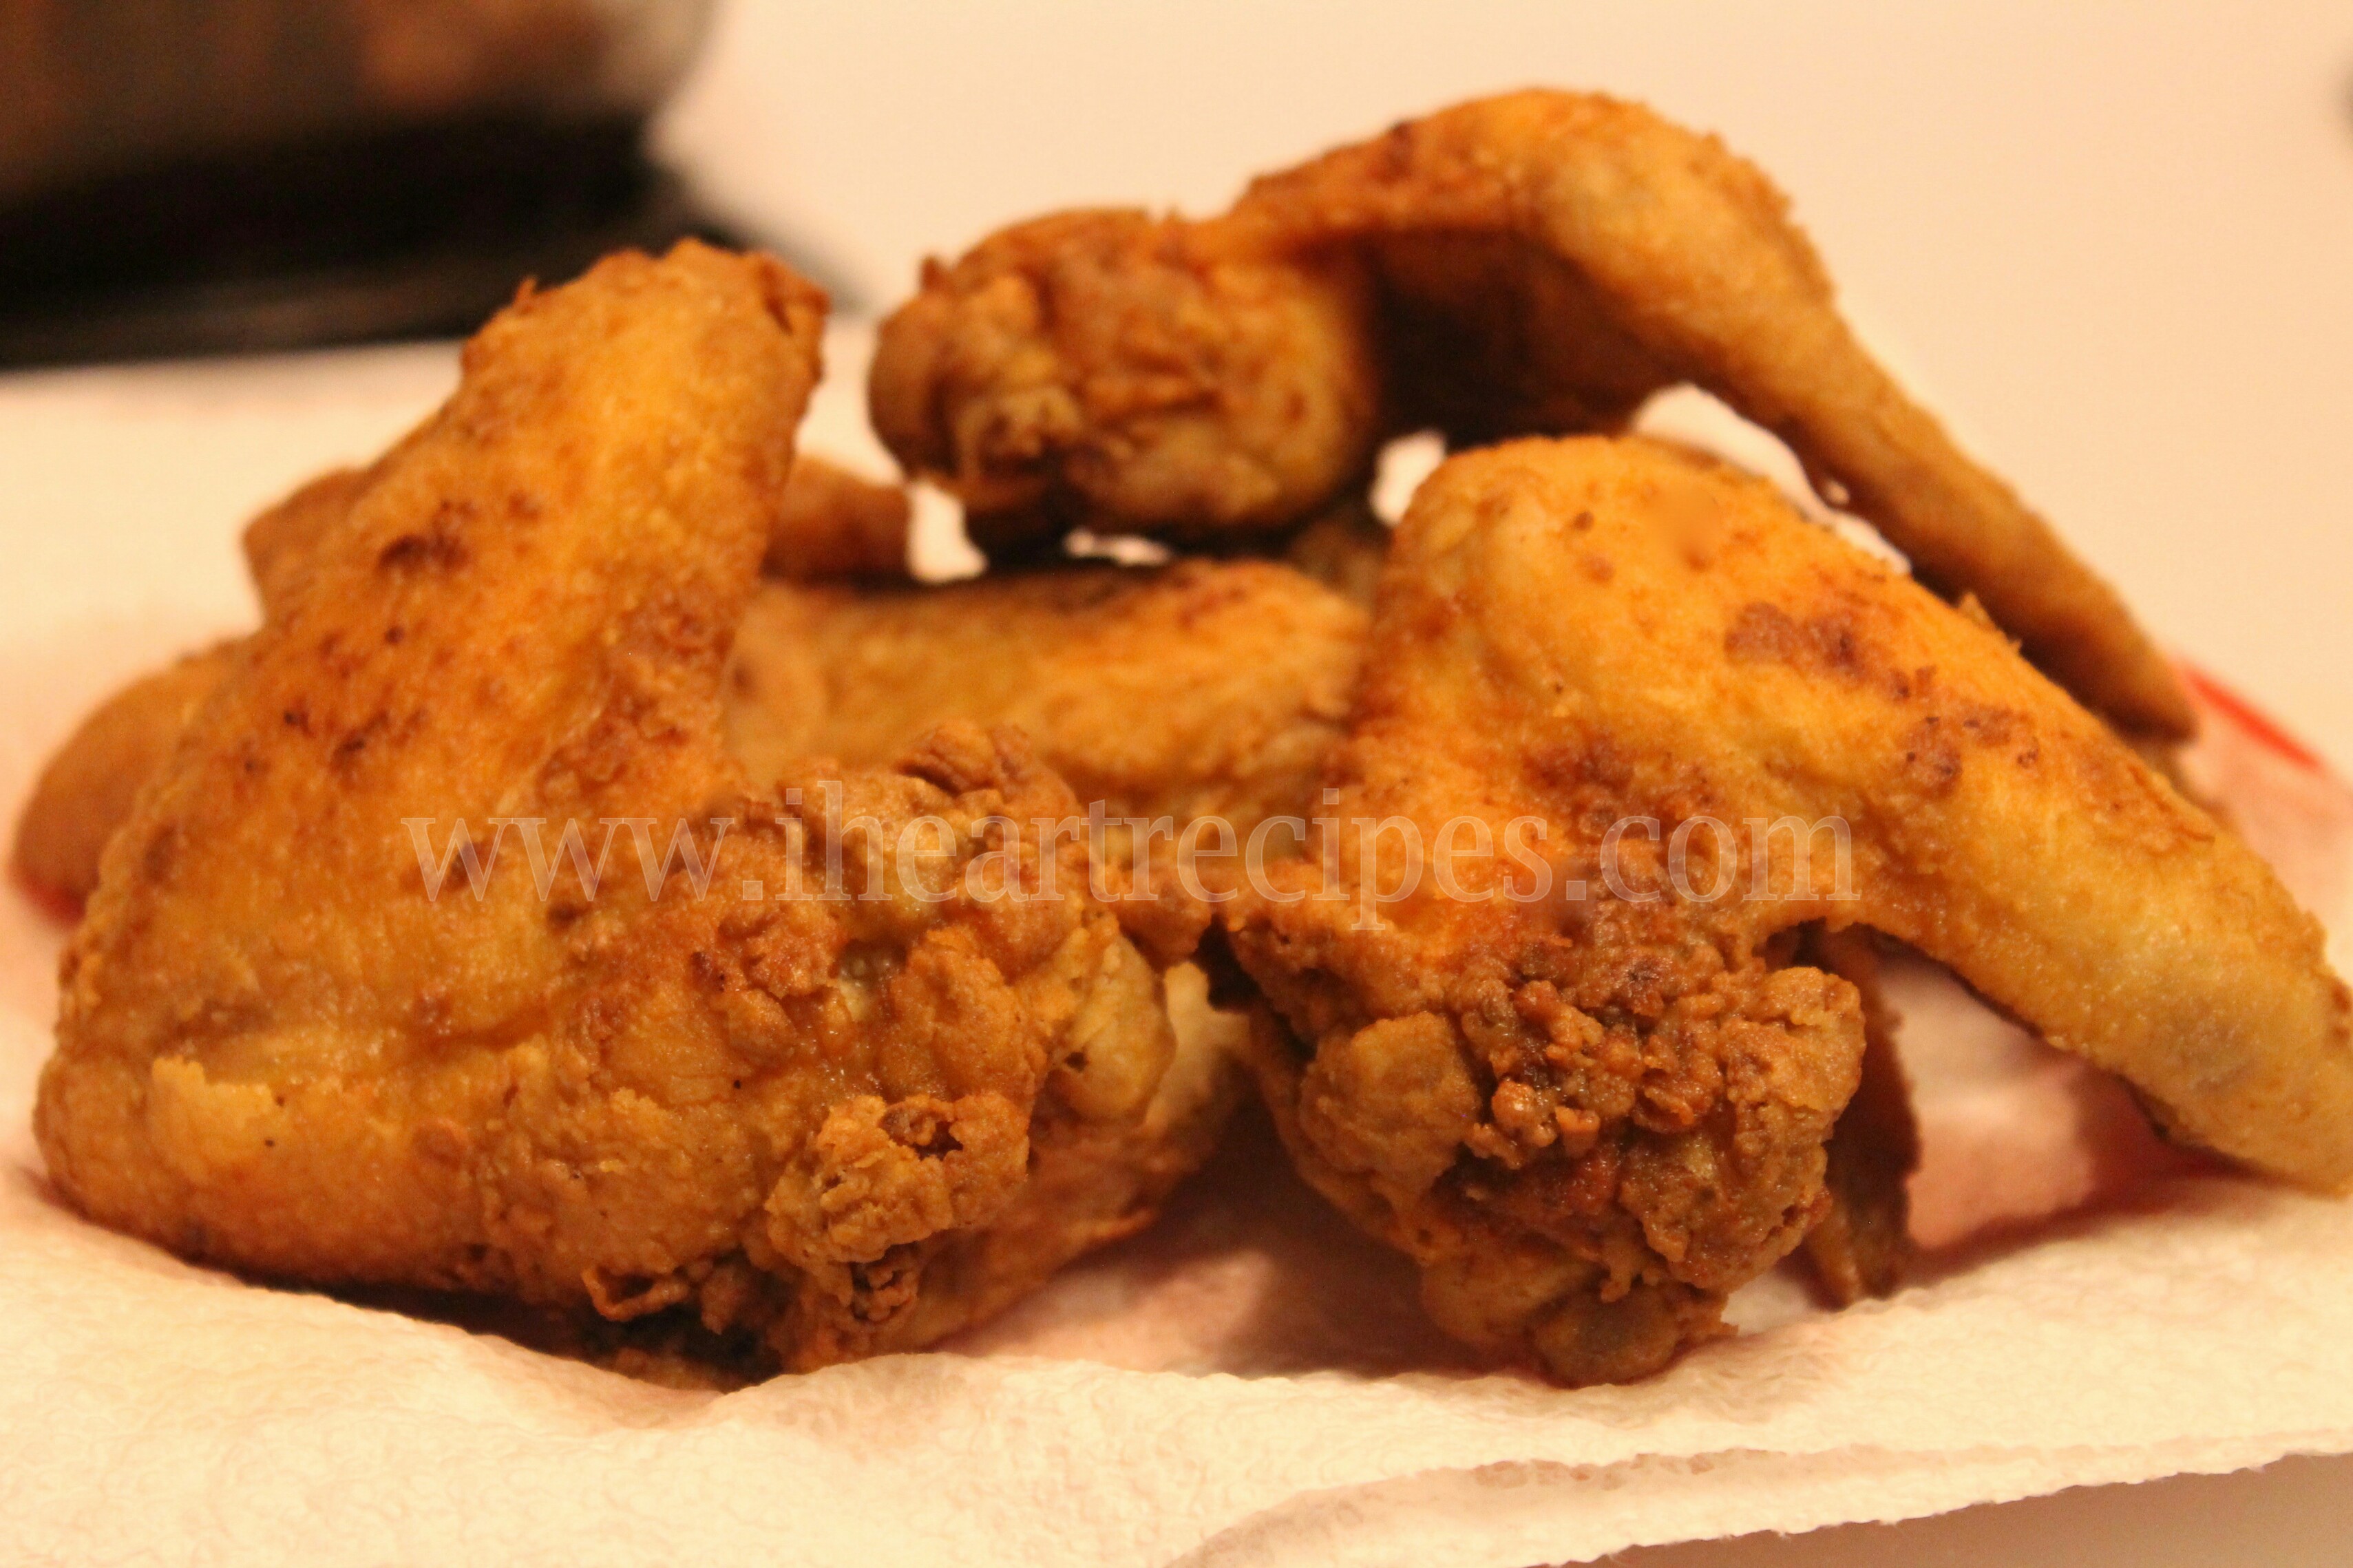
<point x="1250" y="1382"/>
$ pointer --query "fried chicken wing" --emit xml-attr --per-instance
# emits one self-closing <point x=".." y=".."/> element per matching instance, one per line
<point x="775" y="1080"/>
<point x="1627" y="723"/>
<point x="1543" y="262"/>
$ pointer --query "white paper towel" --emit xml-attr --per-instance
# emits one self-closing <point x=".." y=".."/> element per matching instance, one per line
<point x="1248" y="1383"/>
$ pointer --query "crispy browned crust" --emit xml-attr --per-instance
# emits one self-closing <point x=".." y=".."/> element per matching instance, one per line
<point x="1201" y="687"/>
<point x="1543" y="262"/>
<point x="1205" y="688"/>
<point x="1683" y="254"/>
<point x="830" y="523"/>
<point x="278" y="1052"/>
<point x="1592" y="1116"/>
<point x="85" y="792"/>
<point x="1114" y="368"/>
<point x="282" y="538"/>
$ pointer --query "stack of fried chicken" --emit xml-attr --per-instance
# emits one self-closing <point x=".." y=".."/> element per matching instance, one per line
<point x="1484" y="917"/>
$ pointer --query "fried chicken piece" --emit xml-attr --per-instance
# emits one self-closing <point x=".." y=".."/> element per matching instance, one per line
<point x="1626" y="720"/>
<point x="1206" y="688"/>
<point x="1544" y="262"/>
<point x="85" y="792"/>
<point x="1199" y="688"/>
<point x="698" y="1086"/>
<point x="1109" y="366"/>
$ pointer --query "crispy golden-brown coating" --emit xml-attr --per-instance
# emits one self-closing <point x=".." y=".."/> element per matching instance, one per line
<point x="1196" y="688"/>
<point x="663" y="1085"/>
<point x="279" y="540"/>
<point x="1113" y="367"/>
<point x="86" y="790"/>
<point x="1626" y="250"/>
<point x="1592" y="1114"/>
<point x="1544" y="261"/>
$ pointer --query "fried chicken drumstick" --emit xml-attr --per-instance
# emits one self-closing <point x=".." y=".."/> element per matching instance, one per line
<point x="1593" y="1107"/>
<point x="812" y="1129"/>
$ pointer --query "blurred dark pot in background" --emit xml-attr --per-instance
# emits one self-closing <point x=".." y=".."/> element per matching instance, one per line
<point x="190" y="176"/>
